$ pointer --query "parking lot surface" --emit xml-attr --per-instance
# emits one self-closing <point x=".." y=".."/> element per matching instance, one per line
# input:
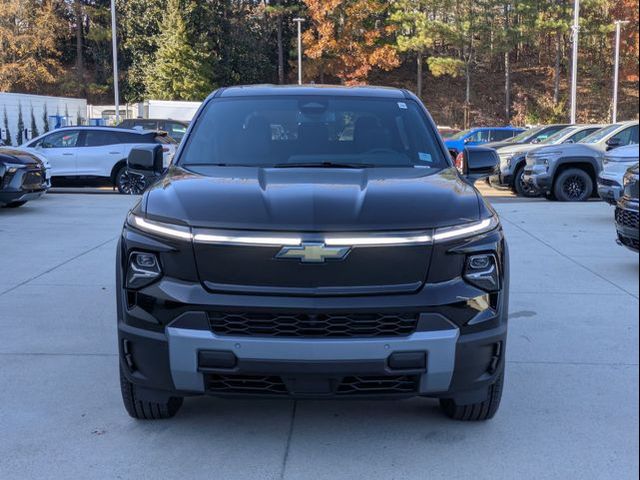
<point x="570" y="408"/>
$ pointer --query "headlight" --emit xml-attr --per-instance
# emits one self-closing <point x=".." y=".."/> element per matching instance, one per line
<point x="628" y="179"/>
<point x="14" y="167"/>
<point x="482" y="271"/>
<point x="160" y="228"/>
<point x="542" y="158"/>
<point x="465" y="230"/>
<point x="143" y="269"/>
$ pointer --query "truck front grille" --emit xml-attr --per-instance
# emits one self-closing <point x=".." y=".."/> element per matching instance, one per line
<point x="306" y="325"/>
<point x="627" y="218"/>
<point x="347" y="386"/>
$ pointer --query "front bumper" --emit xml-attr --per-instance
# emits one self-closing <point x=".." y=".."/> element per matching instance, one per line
<point x="23" y="185"/>
<point x="538" y="179"/>
<point x="627" y="211"/>
<point x="609" y="189"/>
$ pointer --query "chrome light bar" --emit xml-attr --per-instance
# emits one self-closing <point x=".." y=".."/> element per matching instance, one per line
<point x="373" y="239"/>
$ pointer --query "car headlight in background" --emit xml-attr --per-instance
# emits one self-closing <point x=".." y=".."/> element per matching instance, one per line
<point x="13" y="167"/>
<point x="542" y="158"/>
<point x="143" y="269"/>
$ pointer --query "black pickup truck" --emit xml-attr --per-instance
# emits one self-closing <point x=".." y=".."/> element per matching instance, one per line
<point x="313" y="242"/>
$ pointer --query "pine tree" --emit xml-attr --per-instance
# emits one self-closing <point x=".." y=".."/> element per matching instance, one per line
<point x="181" y="71"/>
<point x="34" y="126"/>
<point x="7" y="138"/>
<point x="45" y="119"/>
<point x="20" y="136"/>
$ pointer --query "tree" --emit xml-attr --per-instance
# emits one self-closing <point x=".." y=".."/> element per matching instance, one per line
<point x="29" y="55"/>
<point x="20" y="135"/>
<point x="7" y="138"/>
<point x="415" y="31"/>
<point x="34" y="126"/>
<point x="348" y="39"/>
<point x="181" y="71"/>
<point x="139" y="28"/>
<point x="45" y="119"/>
<point x="281" y="11"/>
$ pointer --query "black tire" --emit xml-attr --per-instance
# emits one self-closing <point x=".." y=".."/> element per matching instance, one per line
<point x="573" y="185"/>
<point x="14" y="204"/>
<point x="475" y="412"/>
<point x="523" y="189"/>
<point x="144" y="410"/>
<point x="128" y="184"/>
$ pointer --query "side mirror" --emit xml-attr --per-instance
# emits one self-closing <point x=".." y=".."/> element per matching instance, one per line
<point x="453" y="153"/>
<point x="145" y="160"/>
<point x="468" y="139"/>
<point x="479" y="162"/>
<point x="535" y="140"/>
<point x="613" y="143"/>
<point x="569" y="141"/>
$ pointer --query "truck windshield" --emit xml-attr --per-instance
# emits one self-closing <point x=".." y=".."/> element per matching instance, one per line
<point x="300" y="131"/>
<point x="598" y="135"/>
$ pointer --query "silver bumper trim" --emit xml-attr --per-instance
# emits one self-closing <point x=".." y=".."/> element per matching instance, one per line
<point x="184" y="345"/>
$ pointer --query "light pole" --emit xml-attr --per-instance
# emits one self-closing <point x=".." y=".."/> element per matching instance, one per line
<point x="114" y="42"/>
<point x="299" y="22"/>
<point x="574" y="59"/>
<point x="616" y="68"/>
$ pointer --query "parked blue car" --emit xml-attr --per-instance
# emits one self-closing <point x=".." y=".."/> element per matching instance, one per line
<point x="480" y="135"/>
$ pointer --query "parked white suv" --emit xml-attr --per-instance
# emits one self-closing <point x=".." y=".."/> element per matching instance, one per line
<point x="96" y="151"/>
<point x="615" y="165"/>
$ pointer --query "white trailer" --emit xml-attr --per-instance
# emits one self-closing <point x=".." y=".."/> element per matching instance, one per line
<point x="172" y="110"/>
<point x="59" y="112"/>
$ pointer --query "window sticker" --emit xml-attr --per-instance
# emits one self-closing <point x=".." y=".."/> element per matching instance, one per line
<point x="402" y="105"/>
<point x="425" y="157"/>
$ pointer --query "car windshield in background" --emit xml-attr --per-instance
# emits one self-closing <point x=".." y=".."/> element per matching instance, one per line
<point x="559" y="135"/>
<point x="283" y="131"/>
<point x="526" y="135"/>
<point x="598" y="135"/>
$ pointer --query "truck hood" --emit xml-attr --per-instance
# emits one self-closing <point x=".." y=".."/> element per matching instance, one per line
<point x="313" y="199"/>
<point x="594" y="150"/>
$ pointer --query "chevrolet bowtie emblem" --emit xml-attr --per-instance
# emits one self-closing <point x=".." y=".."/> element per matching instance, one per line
<point x="313" y="253"/>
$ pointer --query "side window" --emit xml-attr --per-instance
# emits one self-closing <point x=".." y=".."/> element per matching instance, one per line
<point x="628" y="136"/>
<point x="547" y="132"/>
<point x="498" y="135"/>
<point x="480" y="136"/>
<point x="175" y="130"/>
<point x="66" y="139"/>
<point x="576" y="137"/>
<point x="98" y="138"/>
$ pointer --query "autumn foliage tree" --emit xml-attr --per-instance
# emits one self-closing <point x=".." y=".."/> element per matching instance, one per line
<point x="347" y="39"/>
<point x="29" y="55"/>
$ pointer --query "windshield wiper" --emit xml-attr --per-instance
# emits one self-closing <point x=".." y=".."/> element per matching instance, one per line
<point x="322" y="165"/>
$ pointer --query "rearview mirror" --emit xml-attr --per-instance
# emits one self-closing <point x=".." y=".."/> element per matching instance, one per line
<point x="613" y="143"/>
<point x="145" y="160"/>
<point x="479" y="162"/>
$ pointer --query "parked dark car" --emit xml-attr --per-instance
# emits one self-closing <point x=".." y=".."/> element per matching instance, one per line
<point x="480" y="136"/>
<point x="174" y="128"/>
<point x="22" y="177"/>
<point x="627" y="213"/>
<point x="313" y="242"/>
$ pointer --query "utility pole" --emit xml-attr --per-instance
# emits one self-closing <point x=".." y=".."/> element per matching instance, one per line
<point x="616" y="68"/>
<point x="299" y="22"/>
<point x="574" y="59"/>
<point x="114" y="42"/>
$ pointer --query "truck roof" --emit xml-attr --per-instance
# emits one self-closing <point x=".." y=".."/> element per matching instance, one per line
<point x="312" y="90"/>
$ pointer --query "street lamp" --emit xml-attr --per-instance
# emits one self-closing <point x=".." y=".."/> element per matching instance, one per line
<point x="616" y="68"/>
<point x="574" y="59"/>
<point x="114" y="42"/>
<point x="299" y="22"/>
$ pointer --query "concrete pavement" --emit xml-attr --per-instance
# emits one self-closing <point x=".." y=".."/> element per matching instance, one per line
<point x="570" y="408"/>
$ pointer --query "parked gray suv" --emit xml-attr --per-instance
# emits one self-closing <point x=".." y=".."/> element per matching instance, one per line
<point x="569" y="172"/>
